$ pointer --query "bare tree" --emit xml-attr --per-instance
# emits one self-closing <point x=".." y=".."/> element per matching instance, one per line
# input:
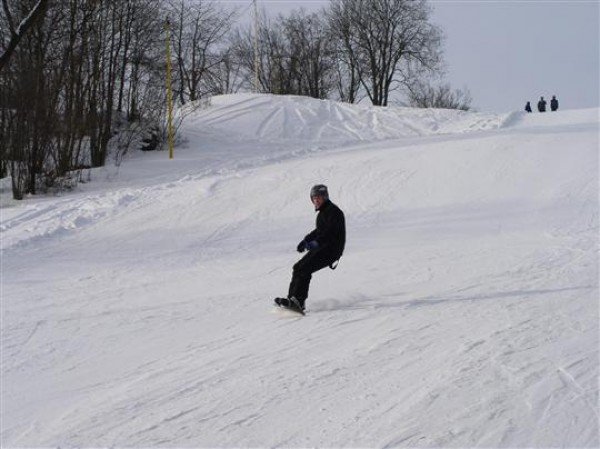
<point x="225" y="77"/>
<point x="29" y="111"/>
<point x="422" y="94"/>
<point x="343" y="35"/>
<point x="61" y="96"/>
<point x="269" y="52"/>
<point x="87" y="77"/>
<point x="198" y="31"/>
<point x="16" y="32"/>
<point x="385" y="41"/>
<point x="310" y="54"/>
<point x="346" y="77"/>
<point x="295" y="55"/>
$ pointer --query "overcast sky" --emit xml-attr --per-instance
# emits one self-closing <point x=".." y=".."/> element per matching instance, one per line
<point x="507" y="52"/>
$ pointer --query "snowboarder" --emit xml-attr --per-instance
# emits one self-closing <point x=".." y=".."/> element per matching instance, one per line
<point x="528" y="107"/>
<point x="554" y="103"/>
<point x="542" y="105"/>
<point x="325" y="246"/>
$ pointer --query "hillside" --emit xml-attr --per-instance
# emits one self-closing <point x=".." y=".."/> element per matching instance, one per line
<point x="137" y="311"/>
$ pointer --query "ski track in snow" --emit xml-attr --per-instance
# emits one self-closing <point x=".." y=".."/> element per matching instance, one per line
<point x="137" y="312"/>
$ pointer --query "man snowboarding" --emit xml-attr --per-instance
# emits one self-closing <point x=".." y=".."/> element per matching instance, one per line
<point x="325" y="246"/>
<point x="554" y="104"/>
<point x="528" y="107"/>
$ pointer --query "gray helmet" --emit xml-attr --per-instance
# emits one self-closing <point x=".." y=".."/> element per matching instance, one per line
<point x="319" y="190"/>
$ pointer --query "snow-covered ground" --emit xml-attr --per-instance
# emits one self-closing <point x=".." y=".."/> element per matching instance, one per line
<point x="136" y="311"/>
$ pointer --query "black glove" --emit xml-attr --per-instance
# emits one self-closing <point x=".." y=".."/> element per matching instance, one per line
<point x="301" y="246"/>
<point x="313" y="244"/>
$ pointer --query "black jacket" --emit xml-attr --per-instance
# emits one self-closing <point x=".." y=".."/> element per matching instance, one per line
<point x="554" y="104"/>
<point x="331" y="230"/>
<point x="542" y="105"/>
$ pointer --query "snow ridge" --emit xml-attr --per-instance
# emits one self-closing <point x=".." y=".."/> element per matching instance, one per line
<point x="290" y="118"/>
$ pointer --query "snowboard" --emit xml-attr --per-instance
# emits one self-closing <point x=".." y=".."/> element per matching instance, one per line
<point x="283" y="304"/>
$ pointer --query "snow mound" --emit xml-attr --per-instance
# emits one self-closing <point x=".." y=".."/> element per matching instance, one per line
<point x="561" y="119"/>
<point x="293" y="118"/>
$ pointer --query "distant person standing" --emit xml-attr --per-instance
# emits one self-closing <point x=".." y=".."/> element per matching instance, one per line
<point x="554" y="103"/>
<point x="542" y="105"/>
<point x="528" y="107"/>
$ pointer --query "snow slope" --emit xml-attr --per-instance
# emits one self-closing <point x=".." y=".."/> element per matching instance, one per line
<point x="136" y="311"/>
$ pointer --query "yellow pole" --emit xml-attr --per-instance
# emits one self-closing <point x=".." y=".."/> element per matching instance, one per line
<point x="169" y="91"/>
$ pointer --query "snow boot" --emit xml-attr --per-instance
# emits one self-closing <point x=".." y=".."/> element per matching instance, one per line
<point x="291" y="303"/>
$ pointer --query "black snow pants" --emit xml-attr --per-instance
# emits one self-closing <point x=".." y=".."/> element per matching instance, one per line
<point x="303" y="270"/>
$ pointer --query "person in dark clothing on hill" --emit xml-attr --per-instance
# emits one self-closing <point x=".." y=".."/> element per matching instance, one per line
<point x="542" y="105"/>
<point x="325" y="246"/>
<point x="528" y="107"/>
<point x="554" y="103"/>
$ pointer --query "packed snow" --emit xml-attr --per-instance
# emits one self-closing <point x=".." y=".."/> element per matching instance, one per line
<point x="137" y="309"/>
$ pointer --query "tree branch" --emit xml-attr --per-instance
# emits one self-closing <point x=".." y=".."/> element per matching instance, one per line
<point x="16" y="35"/>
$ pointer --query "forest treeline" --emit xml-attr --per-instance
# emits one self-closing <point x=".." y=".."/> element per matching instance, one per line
<point x="84" y="80"/>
